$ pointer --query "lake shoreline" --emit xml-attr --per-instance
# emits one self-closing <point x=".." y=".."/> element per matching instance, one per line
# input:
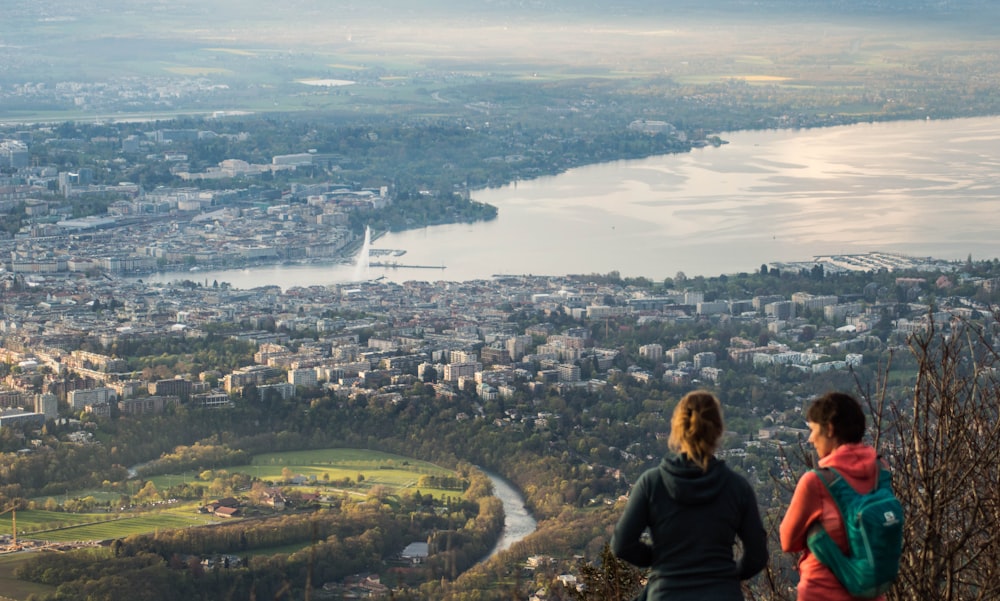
<point x="918" y="188"/>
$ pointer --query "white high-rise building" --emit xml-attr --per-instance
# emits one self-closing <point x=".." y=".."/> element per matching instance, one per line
<point x="47" y="404"/>
<point x="652" y="352"/>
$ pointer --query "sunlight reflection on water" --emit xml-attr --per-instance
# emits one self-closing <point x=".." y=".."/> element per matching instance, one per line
<point x="925" y="188"/>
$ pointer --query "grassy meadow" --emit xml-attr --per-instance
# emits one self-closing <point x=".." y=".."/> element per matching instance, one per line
<point x="56" y="526"/>
<point x="11" y="587"/>
<point x="125" y="525"/>
<point x="365" y="470"/>
<point x="356" y="472"/>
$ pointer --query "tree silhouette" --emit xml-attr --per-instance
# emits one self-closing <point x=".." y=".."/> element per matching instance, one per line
<point x="612" y="579"/>
<point x="943" y="445"/>
<point x="941" y="440"/>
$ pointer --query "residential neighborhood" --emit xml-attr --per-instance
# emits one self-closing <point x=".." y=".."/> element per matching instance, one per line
<point x="382" y="337"/>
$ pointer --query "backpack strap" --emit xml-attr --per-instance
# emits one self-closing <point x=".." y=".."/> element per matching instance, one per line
<point x="830" y="477"/>
<point x="835" y="483"/>
<point x="827" y="474"/>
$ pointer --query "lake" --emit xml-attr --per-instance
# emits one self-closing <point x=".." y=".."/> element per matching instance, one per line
<point x="924" y="188"/>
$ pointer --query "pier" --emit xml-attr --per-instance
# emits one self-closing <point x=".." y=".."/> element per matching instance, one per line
<point x="395" y="265"/>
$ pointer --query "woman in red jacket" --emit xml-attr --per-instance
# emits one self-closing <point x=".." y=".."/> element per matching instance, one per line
<point x="836" y="425"/>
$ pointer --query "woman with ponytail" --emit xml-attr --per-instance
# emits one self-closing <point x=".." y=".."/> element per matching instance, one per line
<point x="695" y="508"/>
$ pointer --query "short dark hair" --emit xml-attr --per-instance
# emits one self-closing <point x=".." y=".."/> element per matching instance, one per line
<point x="841" y="410"/>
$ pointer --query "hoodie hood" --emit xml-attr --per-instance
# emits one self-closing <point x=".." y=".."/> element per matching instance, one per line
<point x="687" y="484"/>
<point x="857" y="463"/>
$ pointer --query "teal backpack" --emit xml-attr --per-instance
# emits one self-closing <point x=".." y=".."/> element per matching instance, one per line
<point x="874" y="526"/>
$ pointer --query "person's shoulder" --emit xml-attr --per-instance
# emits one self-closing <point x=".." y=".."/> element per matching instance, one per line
<point x="734" y="477"/>
<point x="810" y="479"/>
<point x="654" y="473"/>
<point x="651" y="474"/>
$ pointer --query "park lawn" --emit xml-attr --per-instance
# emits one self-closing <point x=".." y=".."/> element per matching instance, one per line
<point x="323" y="468"/>
<point x="11" y="587"/>
<point x="286" y="549"/>
<point x="236" y="51"/>
<point x="749" y="59"/>
<point x="162" y="482"/>
<point x="102" y="495"/>
<point x="764" y="78"/>
<point x="393" y="471"/>
<point x="363" y="491"/>
<point x="331" y="465"/>
<point x="351" y="460"/>
<point x="32" y="520"/>
<point x="126" y="525"/>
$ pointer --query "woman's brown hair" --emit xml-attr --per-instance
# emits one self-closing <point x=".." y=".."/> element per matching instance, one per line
<point x="696" y="426"/>
<point x="843" y="412"/>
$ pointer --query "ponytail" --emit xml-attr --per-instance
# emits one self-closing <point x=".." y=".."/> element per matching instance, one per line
<point x="696" y="427"/>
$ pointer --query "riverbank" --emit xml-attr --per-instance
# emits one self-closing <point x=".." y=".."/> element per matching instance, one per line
<point x="518" y="522"/>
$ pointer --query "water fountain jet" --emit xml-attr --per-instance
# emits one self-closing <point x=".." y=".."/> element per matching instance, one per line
<point x="362" y="265"/>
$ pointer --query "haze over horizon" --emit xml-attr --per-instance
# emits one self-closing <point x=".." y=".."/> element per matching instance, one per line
<point x="255" y="43"/>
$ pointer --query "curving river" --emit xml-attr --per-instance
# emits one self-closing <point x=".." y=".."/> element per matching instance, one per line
<point x="518" y="523"/>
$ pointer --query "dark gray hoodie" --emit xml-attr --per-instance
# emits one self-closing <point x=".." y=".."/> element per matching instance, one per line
<point x="694" y="517"/>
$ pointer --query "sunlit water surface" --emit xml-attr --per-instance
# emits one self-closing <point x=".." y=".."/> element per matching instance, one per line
<point x="925" y="188"/>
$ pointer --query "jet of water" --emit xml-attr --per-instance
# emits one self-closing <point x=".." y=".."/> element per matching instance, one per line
<point x="361" y="267"/>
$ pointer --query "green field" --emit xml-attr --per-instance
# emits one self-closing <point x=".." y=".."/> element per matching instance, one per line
<point x="65" y="527"/>
<point x="12" y="588"/>
<point x="127" y="524"/>
<point x="325" y="471"/>
<point x="345" y="462"/>
<point x="394" y="472"/>
<point x="328" y="465"/>
<point x="34" y="520"/>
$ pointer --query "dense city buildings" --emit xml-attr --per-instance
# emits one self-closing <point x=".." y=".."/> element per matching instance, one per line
<point x="68" y="312"/>
<point x="462" y="337"/>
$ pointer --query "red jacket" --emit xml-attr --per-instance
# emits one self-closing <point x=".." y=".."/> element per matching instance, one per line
<point x="858" y="464"/>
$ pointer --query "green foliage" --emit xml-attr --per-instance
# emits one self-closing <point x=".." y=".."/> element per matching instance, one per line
<point x="411" y="210"/>
<point x="333" y="544"/>
<point x="177" y="354"/>
<point x="13" y="219"/>
<point x="195" y="456"/>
